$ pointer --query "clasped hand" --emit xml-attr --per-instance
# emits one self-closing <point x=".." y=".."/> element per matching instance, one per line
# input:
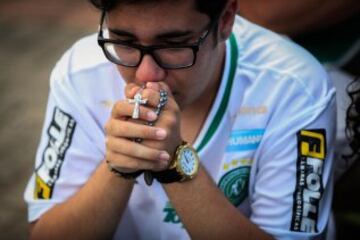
<point x="159" y="141"/>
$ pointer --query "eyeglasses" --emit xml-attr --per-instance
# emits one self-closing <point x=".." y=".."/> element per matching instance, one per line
<point x="168" y="57"/>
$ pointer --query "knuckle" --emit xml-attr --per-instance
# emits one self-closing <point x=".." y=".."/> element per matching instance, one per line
<point x="124" y="162"/>
<point x="115" y="108"/>
<point x="149" y="95"/>
<point x="173" y="106"/>
<point x="107" y="142"/>
<point x="149" y="132"/>
<point x="109" y="156"/>
<point x="118" y="129"/>
<point x="154" y="155"/>
<point x="145" y="93"/>
<point x="171" y="120"/>
<point x="132" y="150"/>
<point x="115" y="128"/>
<point x="134" y="164"/>
<point x="176" y="107"/>
<point x="159" y="166"/>
<point x="138" y="152"/>
<point x="107" y="127"/>
<point x="110" y="143"/>
<point x="129" y="89"/>
<point x="119" y="109"/>
<point x="110" y="127"/>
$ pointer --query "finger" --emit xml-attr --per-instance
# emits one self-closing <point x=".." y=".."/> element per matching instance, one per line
<point x="157" y="86"/>
<point x="135" y="150"/>
<point x="165" y="87"/>
<point x="153" y="85"/>
<point x="129" y="164"/>
<point x="122" y="110"/>
<point x="121" y="146"/>
<point x="152" y="96"/>
<point x="127" y="129"/>
<point x="171" y="104"/>
<point x="131" y="89"/>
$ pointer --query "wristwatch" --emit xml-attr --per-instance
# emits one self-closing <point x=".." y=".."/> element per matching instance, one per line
<point x="184" y="166"/>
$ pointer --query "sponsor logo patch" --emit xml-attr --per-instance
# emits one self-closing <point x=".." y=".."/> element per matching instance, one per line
<point x="244" y="140"/>
<point x="60" y="134"/>
<point x="257" y="110"/>
<point x="236" y="163"/>
<point x="309" y="185"/>
<point x="170" y="214"/>
<point x="235" y="183"/>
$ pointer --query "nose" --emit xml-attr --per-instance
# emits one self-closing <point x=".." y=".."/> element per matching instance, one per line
<point x="149" y="71"/>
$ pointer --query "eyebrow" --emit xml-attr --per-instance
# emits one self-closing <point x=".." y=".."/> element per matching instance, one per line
<point x="121" y="33"/>
<point x="161" y="36"/>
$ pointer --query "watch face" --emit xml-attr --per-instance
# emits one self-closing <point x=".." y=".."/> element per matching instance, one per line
<point x="189" y="162"/>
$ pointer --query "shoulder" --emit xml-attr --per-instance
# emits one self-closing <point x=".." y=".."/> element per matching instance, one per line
<point x="83" y="69"/>
<point x="84" y="78"/>
<point x="270" y="57"/>
<point x="84" y="56"/>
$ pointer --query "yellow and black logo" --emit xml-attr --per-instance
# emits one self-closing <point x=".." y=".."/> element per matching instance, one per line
<point x="309" y="185"/>
<point x="42" y="190"/>
<point x="312" y="143"/>
<point x="60" y="134"/>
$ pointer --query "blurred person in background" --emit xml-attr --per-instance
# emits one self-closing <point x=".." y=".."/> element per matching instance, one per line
<point x="346" y="201"/>
<point x="180" y="120"/>
<point x="330" y="30"/>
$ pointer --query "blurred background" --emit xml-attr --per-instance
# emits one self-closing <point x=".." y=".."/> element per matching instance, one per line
<point x="33" y="36"/>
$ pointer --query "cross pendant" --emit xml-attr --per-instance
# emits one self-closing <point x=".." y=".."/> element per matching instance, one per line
<point x="137" y="101"/>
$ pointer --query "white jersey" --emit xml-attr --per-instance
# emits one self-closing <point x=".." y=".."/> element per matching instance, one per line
<point x="267" y="141"/>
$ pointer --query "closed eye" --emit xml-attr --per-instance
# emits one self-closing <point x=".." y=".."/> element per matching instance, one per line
<point x="176" y="42"/>
<point x="122" y="39"/>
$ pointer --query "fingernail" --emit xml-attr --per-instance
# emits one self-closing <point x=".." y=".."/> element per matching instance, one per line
<point x="164" y="156"/>
<point x="151" y="115"/>
<point x="160" y="133"/>
<point x="150" y="84"/>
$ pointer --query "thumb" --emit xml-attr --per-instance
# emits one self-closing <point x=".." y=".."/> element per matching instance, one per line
<point x="131" y="89"/>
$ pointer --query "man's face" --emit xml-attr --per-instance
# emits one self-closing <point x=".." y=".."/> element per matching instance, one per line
<point x="168" y="23"/>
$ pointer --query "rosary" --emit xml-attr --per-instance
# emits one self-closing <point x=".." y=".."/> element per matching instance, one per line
<point x="137" y="101"/>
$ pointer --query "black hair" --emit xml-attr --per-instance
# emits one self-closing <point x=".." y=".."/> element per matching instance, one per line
<point x="212" y="8"/>
<point x="353" y="120"/>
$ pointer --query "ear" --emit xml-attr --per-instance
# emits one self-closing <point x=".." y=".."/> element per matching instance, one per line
<point x="226" y="20"/>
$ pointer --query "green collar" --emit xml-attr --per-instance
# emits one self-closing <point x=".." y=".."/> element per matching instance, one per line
<point x="226" y="96"/>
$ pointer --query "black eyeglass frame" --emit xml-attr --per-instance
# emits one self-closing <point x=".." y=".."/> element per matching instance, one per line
<point x="149" y="49"/>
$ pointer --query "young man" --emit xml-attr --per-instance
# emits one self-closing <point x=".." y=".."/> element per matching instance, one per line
<point x="258" y="111"/>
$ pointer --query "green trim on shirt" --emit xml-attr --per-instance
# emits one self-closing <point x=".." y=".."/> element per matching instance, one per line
<point x="224" y="102"/>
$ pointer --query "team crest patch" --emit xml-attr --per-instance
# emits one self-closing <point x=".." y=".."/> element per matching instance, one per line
<point x="235" y="183"/>
<point x="60" y="134"/>
<point x="309" y="185"/>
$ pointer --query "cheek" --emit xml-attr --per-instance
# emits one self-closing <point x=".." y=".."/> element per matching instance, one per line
<point x="188" y="91"/>
<point x="126" y="73"/>
<point x="187" y="83"/>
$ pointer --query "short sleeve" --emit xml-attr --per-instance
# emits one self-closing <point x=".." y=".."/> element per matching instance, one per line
<point x="70" y="148"/>
<point x="292" y="188"/>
